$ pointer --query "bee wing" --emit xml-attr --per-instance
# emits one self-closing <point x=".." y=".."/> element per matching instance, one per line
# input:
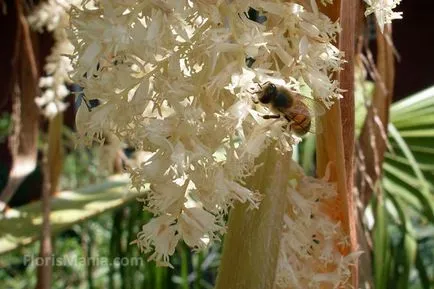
<point x="315" y="107"/>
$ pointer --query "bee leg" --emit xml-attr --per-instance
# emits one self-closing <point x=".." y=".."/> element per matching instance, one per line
<point x="265" y="83"/>
<point x="269" y="116"/>
<point x="86" y="102"/>
<point x="260" y="87"/>
<point x="255" y="91"/>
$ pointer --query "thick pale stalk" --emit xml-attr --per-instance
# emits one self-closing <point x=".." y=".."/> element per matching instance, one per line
<point x="252" y="243"/>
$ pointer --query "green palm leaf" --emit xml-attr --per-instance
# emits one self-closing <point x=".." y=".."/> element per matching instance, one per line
<point x="408" y="181"/>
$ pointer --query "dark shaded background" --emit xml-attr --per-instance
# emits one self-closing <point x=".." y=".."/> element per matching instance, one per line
<point x="414" y="39"/>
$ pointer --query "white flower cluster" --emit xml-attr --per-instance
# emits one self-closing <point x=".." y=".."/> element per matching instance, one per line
<point x="175" y="77"/>
<point x="383" y="10"/>
<point x="313" y="240"/>
<point x="52" y="15"/>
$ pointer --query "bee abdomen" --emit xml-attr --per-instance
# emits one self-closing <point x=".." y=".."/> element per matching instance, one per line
<point x="300" y="124"/>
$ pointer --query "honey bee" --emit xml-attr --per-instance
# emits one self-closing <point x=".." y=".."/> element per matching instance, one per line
<point x="298" y="110"/>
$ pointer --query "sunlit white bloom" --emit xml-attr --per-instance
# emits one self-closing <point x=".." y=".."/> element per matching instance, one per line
<point x="312" y="239"/>
<point x="52" y="16"/>
<point x="49" y="14"/>
<point x="159" y="236"/>
<point x="383" y="10"/>
<point x="179" y="79"/>
<point x="165" y="197"/>
<point x="195" y="223"/>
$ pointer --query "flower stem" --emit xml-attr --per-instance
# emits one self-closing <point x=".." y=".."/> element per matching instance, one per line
<point x="252" y="243"/>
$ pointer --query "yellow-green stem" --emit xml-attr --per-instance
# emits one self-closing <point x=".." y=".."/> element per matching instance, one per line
<point x="251" y="246"/>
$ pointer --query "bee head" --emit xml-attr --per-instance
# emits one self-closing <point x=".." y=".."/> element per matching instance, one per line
<point x="268" y="92"/>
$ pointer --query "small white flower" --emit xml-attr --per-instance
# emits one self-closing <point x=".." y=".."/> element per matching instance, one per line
<point x="241" y="81"/>
<point x="51" y="109"/>
<point x="383" y="10"/>
<point x="196" y="223"/>
<point x="310" y="239"/>
<point x="242" y="194"/>
<point x="165" y="197"/>
<point x="46" y="81"/>
<point x="159" y="235"/>
<point x="52" y="15"/>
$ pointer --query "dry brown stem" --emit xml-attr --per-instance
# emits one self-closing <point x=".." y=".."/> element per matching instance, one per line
<point x="335" y="145"/>
<point x="25" y="114"/>
<point x="373" y="143"/>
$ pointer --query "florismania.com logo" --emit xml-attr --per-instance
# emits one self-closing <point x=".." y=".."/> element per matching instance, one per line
<point x="73" y="260"/>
